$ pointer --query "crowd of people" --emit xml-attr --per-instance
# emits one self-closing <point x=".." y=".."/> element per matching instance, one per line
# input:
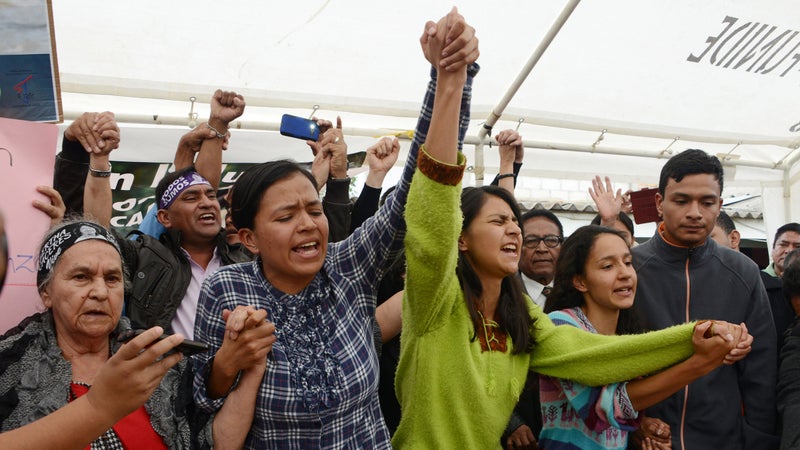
<point x="435" y="316"/>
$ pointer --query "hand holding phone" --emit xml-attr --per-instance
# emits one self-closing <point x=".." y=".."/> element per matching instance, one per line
<point x="187" y="347"/>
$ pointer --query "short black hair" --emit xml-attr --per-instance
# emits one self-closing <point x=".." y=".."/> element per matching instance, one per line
<point x="725" y="222"/>
<point x="168" y="179"/>
<point x="791" y="226"/>
<point x="690" y="162"/>
<point x="531" y="213"/>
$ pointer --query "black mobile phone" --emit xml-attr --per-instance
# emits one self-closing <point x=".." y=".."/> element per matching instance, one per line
<point x="187" y="347"/>
<point x="299" y="127"/>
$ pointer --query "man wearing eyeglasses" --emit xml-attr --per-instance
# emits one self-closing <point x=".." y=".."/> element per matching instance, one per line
<point x="541" y="245"/>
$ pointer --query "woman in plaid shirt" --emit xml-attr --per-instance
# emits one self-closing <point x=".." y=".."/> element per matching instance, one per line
<point x="320" y="387"/>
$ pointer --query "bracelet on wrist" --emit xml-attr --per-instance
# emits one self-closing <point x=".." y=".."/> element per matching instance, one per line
<point x="332" y="178"/>
<point x="100" y="173"/>
<point x="216" y="131"/>
<point x="505" y="175"/>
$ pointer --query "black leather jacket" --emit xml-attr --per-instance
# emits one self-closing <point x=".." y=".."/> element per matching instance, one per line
<point x="160" y="274"/>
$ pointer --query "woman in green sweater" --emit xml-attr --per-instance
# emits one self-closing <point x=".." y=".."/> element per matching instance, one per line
<point x="469" y="334"/>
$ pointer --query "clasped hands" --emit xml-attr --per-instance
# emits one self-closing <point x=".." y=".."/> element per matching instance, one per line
<point x="248" y="337"/>
<point x="711" y="337"/>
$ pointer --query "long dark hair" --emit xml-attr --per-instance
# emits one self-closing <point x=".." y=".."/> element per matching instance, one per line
<point x="512" y="313"/>
<point x="572" y="262"/>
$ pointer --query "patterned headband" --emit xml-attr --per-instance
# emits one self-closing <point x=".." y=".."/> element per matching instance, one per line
<point x="65" y="238"/>
<point x="180" y="184"/>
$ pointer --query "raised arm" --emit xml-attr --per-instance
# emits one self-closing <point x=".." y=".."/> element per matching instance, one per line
<point x="336" y="203"/>
<point x="381" y="157"/>
<point x="441" y="142"/>
<point x="511" y="153"/>
<point x="439" y="171"/>
<point x="191" y="142"/>
<point x="226" y="106"/>
<point x="608" y="202"/>
<point x="97" y="199"/>
<point x="369" y="248"/>
<point x="81" y="139"/>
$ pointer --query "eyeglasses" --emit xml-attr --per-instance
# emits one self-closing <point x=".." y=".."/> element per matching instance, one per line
<point x="550" y="241"/>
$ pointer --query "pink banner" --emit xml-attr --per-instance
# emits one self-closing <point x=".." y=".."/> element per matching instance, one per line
<point x="27" y="152"/>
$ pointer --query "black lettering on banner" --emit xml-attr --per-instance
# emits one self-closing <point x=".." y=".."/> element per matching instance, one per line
<point x="764" y="46"/>
<point x="713" y="40"/>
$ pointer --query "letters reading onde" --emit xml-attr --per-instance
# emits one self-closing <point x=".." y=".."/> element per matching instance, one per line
<point x="765" y="47"/>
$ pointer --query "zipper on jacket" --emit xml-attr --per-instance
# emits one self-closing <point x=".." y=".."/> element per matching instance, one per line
<point x="149" y="295"/>
<point x="686" y="320"/>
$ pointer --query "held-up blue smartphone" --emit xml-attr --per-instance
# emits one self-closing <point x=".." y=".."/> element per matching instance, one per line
<point x="299" y="127"/>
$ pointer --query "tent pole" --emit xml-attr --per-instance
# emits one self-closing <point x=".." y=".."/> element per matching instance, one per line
<point x="497" y="112"/>
<point x="183" y="121"/>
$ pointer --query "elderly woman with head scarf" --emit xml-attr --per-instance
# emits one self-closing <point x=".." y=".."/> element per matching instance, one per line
<point x="65" y="369"/>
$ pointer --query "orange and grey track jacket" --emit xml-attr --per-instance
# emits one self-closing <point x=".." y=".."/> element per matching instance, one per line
<point x="732" y="407"/>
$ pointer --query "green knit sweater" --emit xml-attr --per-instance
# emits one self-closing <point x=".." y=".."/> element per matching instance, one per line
<point x="453" y="395"/>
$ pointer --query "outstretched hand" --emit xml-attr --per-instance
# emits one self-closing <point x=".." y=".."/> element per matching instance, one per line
<point x="609" y="204"/>
<point x="98" y="133"/>
<point x="141" y="363"/>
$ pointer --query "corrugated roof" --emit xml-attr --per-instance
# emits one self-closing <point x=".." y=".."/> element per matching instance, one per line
<point x="750" y="208"/>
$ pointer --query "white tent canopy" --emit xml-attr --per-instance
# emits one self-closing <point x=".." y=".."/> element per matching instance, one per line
<point x="622" y="85"/>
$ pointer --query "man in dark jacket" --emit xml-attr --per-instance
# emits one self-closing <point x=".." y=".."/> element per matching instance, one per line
<point x="685" y="276"/>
